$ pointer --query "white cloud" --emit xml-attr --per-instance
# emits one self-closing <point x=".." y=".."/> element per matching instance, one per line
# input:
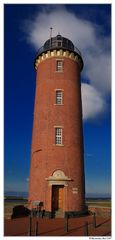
<point x="93" y="103"/>
<point x="79" y="31"/>
<point x="98" y="71"/>
<point x="95" y="49"/>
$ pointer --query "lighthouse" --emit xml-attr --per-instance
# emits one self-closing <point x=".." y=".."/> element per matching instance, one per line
<point x="57" y="181"/>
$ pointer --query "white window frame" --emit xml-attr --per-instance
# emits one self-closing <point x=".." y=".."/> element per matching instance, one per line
<point x="59" y="65"/>
<point x="58" y="136"/>
<point x="59" y="97"/>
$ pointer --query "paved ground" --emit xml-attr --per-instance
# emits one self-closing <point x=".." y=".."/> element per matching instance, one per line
<point x="56" y="227"/>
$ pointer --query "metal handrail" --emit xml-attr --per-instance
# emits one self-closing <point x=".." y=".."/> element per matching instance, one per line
<point x="44" y="49"/>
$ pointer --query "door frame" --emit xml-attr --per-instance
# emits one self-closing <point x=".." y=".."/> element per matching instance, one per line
<point x="58" y="177"/>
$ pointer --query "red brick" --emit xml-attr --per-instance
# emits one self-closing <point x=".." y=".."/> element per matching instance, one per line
<point x="46" y="156"/>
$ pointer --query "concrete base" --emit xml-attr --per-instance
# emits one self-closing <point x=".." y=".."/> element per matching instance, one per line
<point x="75" y="214"/>
<point x="69" y="214"/>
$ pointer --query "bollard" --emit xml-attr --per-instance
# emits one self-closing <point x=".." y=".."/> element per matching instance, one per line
<point x="86" y="229"/>
<point x="94" y="220"/>
<point x="66" y="224"/>
<point x="36" y="229"/>
<point x="30" y="226"/>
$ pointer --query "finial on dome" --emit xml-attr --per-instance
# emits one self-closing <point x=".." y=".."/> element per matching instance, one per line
<point x="51" y="28"/>
<point x="51" y="36"/>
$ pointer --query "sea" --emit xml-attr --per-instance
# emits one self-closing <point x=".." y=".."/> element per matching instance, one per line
<point x="16" y="194"/>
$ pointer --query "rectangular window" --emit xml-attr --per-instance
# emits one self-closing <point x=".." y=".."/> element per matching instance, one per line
<point x="59" y="66"/>
<point x="59" y="97"/>
<point x="58" y="136"/>
<point x="59" y="43"/>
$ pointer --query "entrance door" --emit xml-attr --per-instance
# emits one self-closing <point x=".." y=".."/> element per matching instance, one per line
<point x="57" y="197"/>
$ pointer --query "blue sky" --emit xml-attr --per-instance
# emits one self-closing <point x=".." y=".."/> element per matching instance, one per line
<point x="26" y="28"/>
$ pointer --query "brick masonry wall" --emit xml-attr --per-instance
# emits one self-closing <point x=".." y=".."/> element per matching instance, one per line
<point x="46" y="156"/>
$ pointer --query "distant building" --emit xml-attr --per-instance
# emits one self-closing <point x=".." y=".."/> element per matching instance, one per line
<point x="57" y="163"/>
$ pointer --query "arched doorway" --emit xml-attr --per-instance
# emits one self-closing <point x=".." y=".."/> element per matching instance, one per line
<point x="59" y="183"/>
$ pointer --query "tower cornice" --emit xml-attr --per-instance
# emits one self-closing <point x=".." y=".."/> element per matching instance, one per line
<point x="59" y="54"/>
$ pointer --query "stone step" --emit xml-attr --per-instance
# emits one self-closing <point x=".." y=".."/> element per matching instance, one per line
<point x="59" y="214"/>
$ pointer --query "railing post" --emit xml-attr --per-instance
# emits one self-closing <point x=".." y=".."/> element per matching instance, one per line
<point x="94" y="220"/>
<point x="86" y="229"/>
<point x="30" y="226"/>
<point x="66" y="224"/>
<point x="36" y="229"/>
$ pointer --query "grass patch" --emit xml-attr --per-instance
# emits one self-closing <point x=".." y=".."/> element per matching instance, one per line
<point x="14" y="203"/>
<point x="106" y="203"/>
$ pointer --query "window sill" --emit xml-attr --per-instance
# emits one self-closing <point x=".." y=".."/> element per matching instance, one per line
<point x="58" y="145"/>
<point x="58" y="104"/>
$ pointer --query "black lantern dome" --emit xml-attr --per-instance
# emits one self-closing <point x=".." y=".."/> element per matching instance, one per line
<point x="57" y="43"/>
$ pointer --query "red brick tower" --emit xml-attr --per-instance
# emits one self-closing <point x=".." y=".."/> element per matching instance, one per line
<point x="57" y="164"/>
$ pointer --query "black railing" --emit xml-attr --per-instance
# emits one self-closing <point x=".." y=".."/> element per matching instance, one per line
<point x="52" y="47"/>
